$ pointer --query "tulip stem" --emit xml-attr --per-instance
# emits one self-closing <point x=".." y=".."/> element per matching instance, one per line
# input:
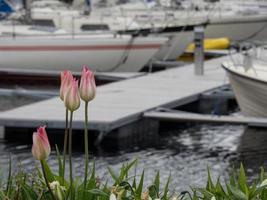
<point x="65" y="142"/>
<point x="70" y="151"/>
<point x="46" y="181"/>
<point x="86" y="144"/>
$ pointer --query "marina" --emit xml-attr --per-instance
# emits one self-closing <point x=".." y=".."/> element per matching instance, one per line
<point x="133" y="100"/>
<point x="122" y="103"/>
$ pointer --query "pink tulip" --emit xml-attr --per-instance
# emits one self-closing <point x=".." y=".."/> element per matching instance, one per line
<point x="72" y="98"/>
<point x="66" y="79"/>
<point x="41" y="147"/>
<point x="87" y="85"/>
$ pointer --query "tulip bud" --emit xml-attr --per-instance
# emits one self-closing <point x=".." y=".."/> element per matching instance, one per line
<point x="72" y="98"/>
<point x="87" y="85"/>
<point x="66" y="79"/>
<point x="41" y="147"/>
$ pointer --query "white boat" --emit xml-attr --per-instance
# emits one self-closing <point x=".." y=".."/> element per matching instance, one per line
<point x="249" y="83"/>
<point x="178" y="25"/>
<point x="102" y="52"/>
<point x="9" y="29"/>
<point x="138" y="17"/>
<point x="238" y="28"/>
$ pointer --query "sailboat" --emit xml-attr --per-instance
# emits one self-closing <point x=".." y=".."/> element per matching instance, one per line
<point x="103" y="53"/>
<point x="27" y="47"/>
<point x="140" y="18"/>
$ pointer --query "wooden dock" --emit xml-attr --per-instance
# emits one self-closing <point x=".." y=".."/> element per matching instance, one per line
<point x="124" y="102"/>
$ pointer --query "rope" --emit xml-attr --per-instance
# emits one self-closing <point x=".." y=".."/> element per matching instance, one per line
<point x="123" y="57"/>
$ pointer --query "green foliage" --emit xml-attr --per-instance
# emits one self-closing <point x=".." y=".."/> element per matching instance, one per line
<point x="237" y="188"/>
<point x="26" y="186"/>
<point x="124" y="186"/>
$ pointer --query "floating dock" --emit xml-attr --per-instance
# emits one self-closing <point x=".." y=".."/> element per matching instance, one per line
<point x="124" y="102"/>
<point x="205" y="118"/>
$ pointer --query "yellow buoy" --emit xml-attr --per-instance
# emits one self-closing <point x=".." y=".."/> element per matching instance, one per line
<point x="209" y="44"/>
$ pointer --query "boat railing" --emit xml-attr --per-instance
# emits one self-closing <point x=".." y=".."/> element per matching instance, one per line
<point x="15" y="35"/>
<point x="250" y="53"/>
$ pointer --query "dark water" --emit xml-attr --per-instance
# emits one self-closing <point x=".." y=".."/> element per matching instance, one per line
<point x="183" y="152"/>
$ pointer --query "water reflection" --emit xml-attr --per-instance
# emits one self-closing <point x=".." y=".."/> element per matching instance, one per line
<point x="252" y="149"/>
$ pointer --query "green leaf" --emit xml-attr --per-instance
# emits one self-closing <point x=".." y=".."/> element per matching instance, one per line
<point x="28" y="192"/>
<point x="153" y="193"/>
<point x="262" y="174"/>
<point x="254" y="191"/>
<point x="134" y="183"/>
<point x="242" y="180"/>
<point x="2" y="195"/>
<point x="166" y="189"/>
<point x="129" y="166"/>
<point x="49" y="175"/>
<point x="237" y="193"/>
<point x="157" y="181"/>
<point x="139" y="189"/>
<point x="97" y="192"/>
<point x="127" y="186"/>
<point x="106" y="188"/>
<point x="60" y="165"/>
<point x="232" y="177"/>
<point x="218" y="188"/>
<point x="210" y="185"/>
<point x="206" y="193"/>
<point x="92" y="180"/>
<point x="91" y="184"/>
<point x="113" y="175"/>
<point x="124" y="171"/>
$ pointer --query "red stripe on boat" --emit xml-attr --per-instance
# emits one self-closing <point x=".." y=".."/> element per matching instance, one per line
<point x="78" y="48"/>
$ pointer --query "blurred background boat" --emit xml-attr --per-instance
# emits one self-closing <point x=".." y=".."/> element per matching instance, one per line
<point x="153" y="19"/>
<point x="102" y="52"/>
<point x="238" y="21"/>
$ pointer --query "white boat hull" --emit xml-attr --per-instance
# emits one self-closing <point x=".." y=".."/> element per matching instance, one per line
<point x="234" y="28"/>
<point x="237" y="28"/>
<point x="61" y="52"/>
<point x="176" y="46"/>
<point x="251" y="93"/>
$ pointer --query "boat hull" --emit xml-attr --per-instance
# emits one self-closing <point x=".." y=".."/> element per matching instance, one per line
<point x="176" y="46"/>
<point x="237" y="28"/>
<point x="251" y="93"/>
<point x="57" y="53"/>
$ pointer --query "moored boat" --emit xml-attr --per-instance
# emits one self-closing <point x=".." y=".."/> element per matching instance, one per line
<point x="102" y="52"/>
<point x="249" y="84"/>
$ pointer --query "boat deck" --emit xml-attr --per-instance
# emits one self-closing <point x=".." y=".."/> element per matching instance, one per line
<point x="124" y="102"/>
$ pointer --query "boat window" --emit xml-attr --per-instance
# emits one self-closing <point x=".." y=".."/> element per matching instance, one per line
<point x="43" y="22"/>
<point x="94" y="27"/>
